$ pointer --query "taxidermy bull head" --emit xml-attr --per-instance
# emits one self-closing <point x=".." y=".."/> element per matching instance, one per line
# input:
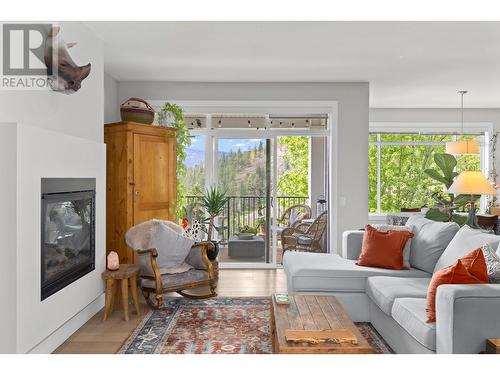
<point x="64" y="75"/>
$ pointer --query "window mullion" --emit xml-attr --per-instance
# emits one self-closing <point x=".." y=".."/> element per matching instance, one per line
<point x="379" y="147"/>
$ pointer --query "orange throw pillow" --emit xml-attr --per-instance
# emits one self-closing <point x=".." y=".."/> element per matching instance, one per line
<point x="476" y="264"/>
<point x="457" y="273"/>
<point x="383" y="249"/>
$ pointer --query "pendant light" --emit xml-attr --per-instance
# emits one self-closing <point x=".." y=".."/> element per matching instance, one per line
<point x="470" y="147"/>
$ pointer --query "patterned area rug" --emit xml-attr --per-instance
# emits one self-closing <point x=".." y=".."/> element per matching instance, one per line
<point x="223" y="325"/>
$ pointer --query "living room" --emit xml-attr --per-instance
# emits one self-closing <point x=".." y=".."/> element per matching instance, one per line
<point x="288" y="186"/>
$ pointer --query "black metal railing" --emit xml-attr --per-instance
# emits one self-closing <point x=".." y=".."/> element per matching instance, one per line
<point x="249" y="210"/>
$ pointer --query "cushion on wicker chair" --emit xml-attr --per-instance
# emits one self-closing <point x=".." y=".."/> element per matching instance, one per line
<point x="304" y="240"/>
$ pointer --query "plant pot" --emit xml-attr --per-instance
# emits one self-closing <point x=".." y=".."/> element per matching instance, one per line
<point x="212" y="253"/>
<point x="245" y="236"/>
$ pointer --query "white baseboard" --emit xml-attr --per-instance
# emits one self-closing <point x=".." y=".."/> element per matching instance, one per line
<point x="53" y="341"/>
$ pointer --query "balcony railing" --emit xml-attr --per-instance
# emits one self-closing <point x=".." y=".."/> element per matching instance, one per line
<point x="249" y="210"/>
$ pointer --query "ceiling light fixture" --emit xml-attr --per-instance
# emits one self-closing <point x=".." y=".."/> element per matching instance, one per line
<point x="467" y="147"/>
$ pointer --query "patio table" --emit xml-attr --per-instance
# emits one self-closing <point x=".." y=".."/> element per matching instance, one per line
<point x="254" y="248"/>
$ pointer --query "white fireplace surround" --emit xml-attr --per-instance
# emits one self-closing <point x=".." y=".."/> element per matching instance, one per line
<point x="30" y="153"/>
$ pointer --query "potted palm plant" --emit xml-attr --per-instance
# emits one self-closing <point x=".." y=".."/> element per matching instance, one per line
<point x="213" y="201"/>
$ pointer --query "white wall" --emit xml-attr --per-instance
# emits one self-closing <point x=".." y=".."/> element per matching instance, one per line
<point x="43" y="153"/>
<point x="111" y="105"/>
<point x="350" y="147"/>
<point x="316" y="170"/>
<point x="80" y="114"/>
<point x="8" y="218"/>
<point x="50" y="135"/>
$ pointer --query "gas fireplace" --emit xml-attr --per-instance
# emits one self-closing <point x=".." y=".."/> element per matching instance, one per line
<point x="67" y="232"/>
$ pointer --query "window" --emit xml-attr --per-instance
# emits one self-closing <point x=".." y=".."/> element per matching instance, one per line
<point x="193" y="181"/>
<point x="396" y="169"/>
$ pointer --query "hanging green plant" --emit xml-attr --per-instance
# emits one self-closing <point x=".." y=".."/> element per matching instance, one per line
<point x="172" y="115"/>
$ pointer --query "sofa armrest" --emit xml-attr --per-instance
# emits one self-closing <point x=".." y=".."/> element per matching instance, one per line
<point x="351" y="244"/>
<point x="466" y="315"/>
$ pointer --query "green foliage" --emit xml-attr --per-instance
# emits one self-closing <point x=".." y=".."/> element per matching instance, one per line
<point x="446" y="204"/>
<point x="243" y="173"/>
<point x="446" y="164"/>
<point x="403" y="182"/>
<point x="193" y="211"/>
<point x="213" y="201"/>
<point x="248" y="229"/>
<point x="176" y="114"/>
<point x="293" y="178"/>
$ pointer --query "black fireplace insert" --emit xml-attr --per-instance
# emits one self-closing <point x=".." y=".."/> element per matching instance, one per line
<point x="67" y="232"/>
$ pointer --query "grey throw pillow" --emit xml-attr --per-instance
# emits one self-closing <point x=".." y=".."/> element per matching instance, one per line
<point x="430" y="240"/>
<point x="466" y="240"/>
<point x="492" y="263"/>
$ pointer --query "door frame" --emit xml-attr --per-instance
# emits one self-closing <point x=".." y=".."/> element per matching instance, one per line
<point x="271" y="107"/>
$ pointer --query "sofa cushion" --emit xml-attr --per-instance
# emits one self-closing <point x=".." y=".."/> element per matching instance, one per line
<point x="310" y="272"/>
<point x="466" y="240"/>
<point x="410" y="314"/>
<point x="430" y="240"/>
<point x="383" y="290"/>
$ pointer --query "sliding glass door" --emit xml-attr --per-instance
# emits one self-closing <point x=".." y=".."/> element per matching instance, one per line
<point x="269" y="176"/>
<point x="243" y="170"/>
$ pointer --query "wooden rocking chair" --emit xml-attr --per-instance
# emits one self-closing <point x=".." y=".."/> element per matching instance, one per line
<point x="202" y="274"/>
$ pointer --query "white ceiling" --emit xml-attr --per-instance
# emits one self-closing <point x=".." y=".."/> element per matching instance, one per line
<point x="408" y="64"/>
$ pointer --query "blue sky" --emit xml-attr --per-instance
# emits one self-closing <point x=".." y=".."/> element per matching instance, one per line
<point x="226" y="145"/>
<point x="196" y="152"/>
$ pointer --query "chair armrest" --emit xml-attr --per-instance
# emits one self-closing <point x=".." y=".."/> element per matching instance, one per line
<point x="466" y="315"/>
<point x="290" y="231"/>
<point x="153" y="254"/>
<point x="351" y="244"/>
<point x="198" y="257"/>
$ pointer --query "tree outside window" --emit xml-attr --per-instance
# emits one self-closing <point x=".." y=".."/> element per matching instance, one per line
<point x="398" y="180"/>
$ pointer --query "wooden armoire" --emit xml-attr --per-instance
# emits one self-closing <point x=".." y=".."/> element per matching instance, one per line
<point x="141" y="180"/>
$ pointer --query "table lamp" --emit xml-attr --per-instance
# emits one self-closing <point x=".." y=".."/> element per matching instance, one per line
<point x="473" y="183"/>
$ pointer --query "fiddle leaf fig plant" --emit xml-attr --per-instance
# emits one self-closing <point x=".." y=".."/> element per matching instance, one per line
<point x="444" y="209"/>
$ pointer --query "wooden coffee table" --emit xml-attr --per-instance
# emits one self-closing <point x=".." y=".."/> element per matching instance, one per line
<point x="313" y="313"/>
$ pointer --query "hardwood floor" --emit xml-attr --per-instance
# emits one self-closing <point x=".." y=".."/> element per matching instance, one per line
<point x="98" y="337"/>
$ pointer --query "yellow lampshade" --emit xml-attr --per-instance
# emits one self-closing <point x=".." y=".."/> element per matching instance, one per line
<point x="471" y="182"/>
<point x="470" y="147"/>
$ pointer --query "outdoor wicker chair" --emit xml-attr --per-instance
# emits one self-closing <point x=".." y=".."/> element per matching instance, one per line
<point x="293" y="216"/>
<point x="305" y="237"/>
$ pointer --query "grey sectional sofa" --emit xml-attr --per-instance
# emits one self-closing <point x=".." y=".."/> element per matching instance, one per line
<point x="395" y="301"/>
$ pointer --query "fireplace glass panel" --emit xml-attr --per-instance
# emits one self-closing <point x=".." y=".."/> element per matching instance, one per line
<point x="68" y="248"/>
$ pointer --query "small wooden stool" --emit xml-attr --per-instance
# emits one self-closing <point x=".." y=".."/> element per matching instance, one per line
<point x="123" y="274"/>
<point x="493" y="346"/>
